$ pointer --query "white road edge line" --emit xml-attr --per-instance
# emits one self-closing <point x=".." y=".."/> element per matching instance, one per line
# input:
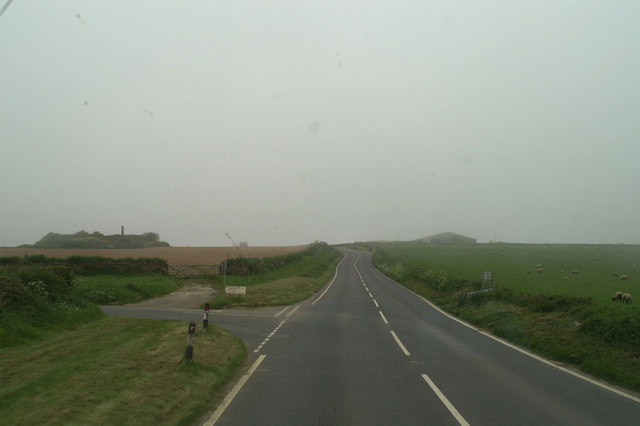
<point x="383" y="317"/>
<point x="229" y="398"/>
<point x="282" y="311"/>
<point x="445" y="401"/>
<point x="406" y="352"/>
<point x="331" y="283"/>
<point x="514" y="347"/>
<point x="293" y="311"/>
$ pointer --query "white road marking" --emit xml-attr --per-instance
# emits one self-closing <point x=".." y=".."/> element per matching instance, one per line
<point x="404" y="349"/>
<point x="331" y="283"/>
<point x="383" y="318"/>
<point x="223" y="406"/>
<point x="376" y="303"/>
<point x="275" y="330"/>
<point x="282" y="311"/>
<point x="525" y="352"/>
<point x="445" y="401"/>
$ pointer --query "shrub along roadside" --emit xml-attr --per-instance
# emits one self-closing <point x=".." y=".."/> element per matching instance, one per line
<point x="39" y="294"/>
<point x="601" y="340"/>
<point x="88" y="265"/>
<point x="35" y="300"/>
<point x="283" y="280"/>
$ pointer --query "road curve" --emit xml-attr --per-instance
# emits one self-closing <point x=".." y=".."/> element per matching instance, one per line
<point x="368" y="351"/>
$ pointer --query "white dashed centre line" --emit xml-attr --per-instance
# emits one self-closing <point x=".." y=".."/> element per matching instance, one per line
<point x="445" y="401"/>
<point x="402" y="347"/>
<point x="383" y="317"/>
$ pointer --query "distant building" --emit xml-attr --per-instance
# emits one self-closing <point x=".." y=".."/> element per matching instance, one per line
<point x="450" y="238"/>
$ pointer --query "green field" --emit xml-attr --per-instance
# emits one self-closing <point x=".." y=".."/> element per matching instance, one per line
<point x="594" y="266"/>
<point x="564" y="313"/>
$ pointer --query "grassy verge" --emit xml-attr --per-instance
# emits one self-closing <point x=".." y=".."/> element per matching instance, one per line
<point x="117" y="371"/>
<point x="62" y="362"/>
<point x="567" y="320"/>
<point x="286" y="284"/>
<point x="109" y="289"/>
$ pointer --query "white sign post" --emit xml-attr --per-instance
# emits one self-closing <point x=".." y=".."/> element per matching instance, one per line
<point x="235" y="289"/>
<point x="487" y="276"/>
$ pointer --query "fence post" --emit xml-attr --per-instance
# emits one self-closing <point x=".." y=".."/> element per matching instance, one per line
<point x="191" y="333"/>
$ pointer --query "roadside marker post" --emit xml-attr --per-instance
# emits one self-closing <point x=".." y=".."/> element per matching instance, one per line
<point x="224" y="279"/>
<point x="191" y="333"/>
<point x="205" y="319"/>
<point x="487" y="276"/>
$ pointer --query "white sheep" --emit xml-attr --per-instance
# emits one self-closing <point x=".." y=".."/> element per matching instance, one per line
<point x="626" y="298"/>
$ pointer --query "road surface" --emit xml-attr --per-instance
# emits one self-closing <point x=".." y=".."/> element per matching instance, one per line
<point x="367" y="351"/>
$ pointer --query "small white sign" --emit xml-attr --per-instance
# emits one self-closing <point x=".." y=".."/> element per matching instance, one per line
<point x="487" y="275"/>
<point x="233" y="289"/>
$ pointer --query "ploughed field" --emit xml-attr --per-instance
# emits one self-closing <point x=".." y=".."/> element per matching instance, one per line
<point x="173" y="255"/>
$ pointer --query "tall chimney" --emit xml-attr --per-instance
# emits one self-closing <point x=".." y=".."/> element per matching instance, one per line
<point x="122" y="230"/>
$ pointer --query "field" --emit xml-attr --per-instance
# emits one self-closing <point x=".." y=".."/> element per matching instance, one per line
<point x="564" y="313"/>
<point x="578" y="270"/>
<point x="173" y="255"/>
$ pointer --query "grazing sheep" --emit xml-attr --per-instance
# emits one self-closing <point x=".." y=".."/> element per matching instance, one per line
<point x="617" y="296"/>
<point x="626" y="298"/>
<point x="567" y="277"/>
<point x="624" y="277"/>
<point x="540" y="270"/>
<point x="615" y="274"/>
<point x="539" y="265"/>
<point x="528" y="271"/>
<point x="575" y="271"/>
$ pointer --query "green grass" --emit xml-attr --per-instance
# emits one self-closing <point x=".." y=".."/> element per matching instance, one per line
<point x="287" y="285"/>
<point x="121" y="289"/>
<point x="571" y="320"/>
<point x="595" y="266"/>
<point x="117" y="371"/>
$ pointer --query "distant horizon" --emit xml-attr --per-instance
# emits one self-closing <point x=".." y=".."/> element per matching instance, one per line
<point x="281" y="124"/>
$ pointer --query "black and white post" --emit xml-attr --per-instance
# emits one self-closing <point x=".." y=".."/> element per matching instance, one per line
<point x="191" y="333"/>
<point x="205" y="318"/>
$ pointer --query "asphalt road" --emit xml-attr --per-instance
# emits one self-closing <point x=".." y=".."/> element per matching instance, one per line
<point x="367" y="351"/>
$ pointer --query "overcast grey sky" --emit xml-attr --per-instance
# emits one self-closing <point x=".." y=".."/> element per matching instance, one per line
<point x="284" y="122"/>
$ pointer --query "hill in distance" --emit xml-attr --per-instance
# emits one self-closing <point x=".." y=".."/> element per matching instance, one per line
<point x="97" y="240"/>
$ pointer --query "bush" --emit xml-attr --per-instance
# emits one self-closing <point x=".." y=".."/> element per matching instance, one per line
<point x="247" y="266"/>
<point x="614" y="326"/>
<point x="37" y="297"/>
<point x="89" y="265"/>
